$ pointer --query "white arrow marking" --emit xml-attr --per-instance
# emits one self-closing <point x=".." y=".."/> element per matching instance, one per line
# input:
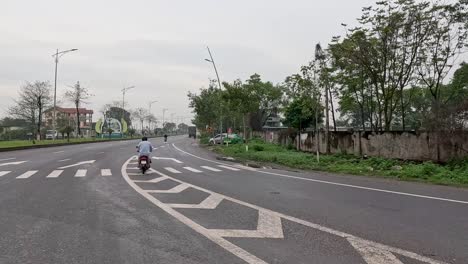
<point x="162" y="158"/>
<point x="13" y="163"/>
<point x="78" y="164"/>
<point x="269" y="226"/>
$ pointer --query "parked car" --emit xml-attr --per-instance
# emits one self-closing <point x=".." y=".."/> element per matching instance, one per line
<point x="51" y="134"/>
<point x="227" y="139"/>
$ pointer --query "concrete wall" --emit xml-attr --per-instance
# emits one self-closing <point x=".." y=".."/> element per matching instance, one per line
<point x="399" y="145"/>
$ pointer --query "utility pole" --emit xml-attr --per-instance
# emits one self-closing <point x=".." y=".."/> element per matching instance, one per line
<point x="149" y="113"/>
<point x="219" y="84"/>
<point x="124" y="90"/>
<point x="164" y="114"/>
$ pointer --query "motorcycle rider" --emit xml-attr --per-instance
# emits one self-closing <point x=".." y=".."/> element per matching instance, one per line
<point x="165" y="138"/>
<point x="144" y="149"/>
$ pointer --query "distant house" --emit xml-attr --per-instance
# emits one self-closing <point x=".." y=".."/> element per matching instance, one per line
<point x="69" y="115"/>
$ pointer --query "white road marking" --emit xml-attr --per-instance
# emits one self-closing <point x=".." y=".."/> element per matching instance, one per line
<point x="211" y="202"/>
<point x="211" y="169"/>
<point x="248" y="257"/>
<point x="336" y="183"/>
<point x="269" y="226"/>
<point x="26" y="175"/>
<point x="192" y="169"/>
<point x="133" y="163"/>
<point x="63" y="160"/>
<point x="179" y="188"/>
<point x="228" y="168"/>
<point x="172" y="170"/>
<point x="7" y="159"/>
<point x="133" y="168"/>
<point x="100" y="152"/>
<point x="54" y="174"/>
<point x="235" y="250"/>
<point x="245" y="167"/>
<point x="155" y="180"/>
<point x="57" y="152"/>
<point x="3" y="173"/>
<point x="12" y="163"/>
<point x="106" y="172"/>
<point x="78" y="164"/>
<point x="373" y="255"/>
<point x="162" y="158"/>
<point x="80" y="173"/>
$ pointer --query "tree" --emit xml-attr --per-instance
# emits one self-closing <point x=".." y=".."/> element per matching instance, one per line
<point x="131" y="132"/>
<point x="77" y="95"/>
<point x="182" y="128"/>
<point x="33" y="98"/>
<point x="66" y="130"/>
<point x="169" y="127"/>
<point x="140" y="114"/>
<point x="207" y="106"/>
<point x="301" y="113"/>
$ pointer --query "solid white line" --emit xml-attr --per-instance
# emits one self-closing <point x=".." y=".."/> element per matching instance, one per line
<point x="2" y="173"/>
<point x="192" y="169"/>
<point x="339" y="184"/>
<point x="172" y="170"/>
<point x="26" y="175"/>
<point x="211" y="169"/>
<point x="228" y="167"/>
<point x="235" y="250"/>
<point x="54" y="174"/>
<point x="57" y="152"/>
<point x="106" y="172"/>
<point x="81" y="173"/>
<point x="7" y="159"/>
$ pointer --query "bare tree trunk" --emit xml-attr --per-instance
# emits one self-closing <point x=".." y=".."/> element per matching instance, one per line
<point x="327" y="121"/>
<point x="332" y="110"/>
<point x="243" y="123"/>
<point x="39" y="107"/>
<point x="77" y="121"/>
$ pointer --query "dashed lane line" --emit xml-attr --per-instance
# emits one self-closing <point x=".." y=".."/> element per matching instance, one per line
<point x="27" y="174"/>
<point x="63" y="160"/>
<point x="106" y="172"/>
<point x="172" y="170"/>
<point x="3" y="173"/>
<point x="81" y="173"/>
<point x="269" y="226"/>
<point x="210" y="168"/>
<point x="228" y="168"/>
<point x="57" y="152"/>
<point x="335" y="183"/>
<point x="192" y="169"/>
<point x="55" y="174"/>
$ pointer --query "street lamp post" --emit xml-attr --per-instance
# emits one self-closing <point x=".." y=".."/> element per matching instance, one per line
<point x="124" y="90"/>
<point x="57" y="55"/>
<point x="211" y="60"/>
<point x="164" y="113"/>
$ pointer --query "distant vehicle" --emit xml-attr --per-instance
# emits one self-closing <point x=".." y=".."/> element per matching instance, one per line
<point x="192" y="131"/>
<point x="51" y="134"/>
<point x="227" y="139"/>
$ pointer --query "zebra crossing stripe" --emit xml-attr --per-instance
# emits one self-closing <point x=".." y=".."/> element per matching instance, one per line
<point x="26" y="175"/>
<point x="172" y="170"/>
<point x="54" y="174"/>
<point x="81" y="173"/>
<point x="228" y="168"/>
<point x="192" y="169"/>
<point x="106" y="172"/>
<point x="4" y="173"/>
<point x="211" y="169"/>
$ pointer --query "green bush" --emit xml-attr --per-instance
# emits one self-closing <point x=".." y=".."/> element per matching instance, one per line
<point x="258" y="148"/>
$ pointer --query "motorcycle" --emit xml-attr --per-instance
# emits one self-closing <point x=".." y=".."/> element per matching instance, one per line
<point x="144" y="163"/>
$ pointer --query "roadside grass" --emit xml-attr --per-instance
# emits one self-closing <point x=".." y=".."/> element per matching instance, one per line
<point x="453" y="173"/>
<point x="25" y="143"/>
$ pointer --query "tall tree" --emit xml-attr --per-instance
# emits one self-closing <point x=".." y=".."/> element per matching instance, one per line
<point x="77" y="95"/>
<point x="33" y="98"/>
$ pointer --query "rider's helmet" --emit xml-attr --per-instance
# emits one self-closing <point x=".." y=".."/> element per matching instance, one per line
<point x="144" y="139"/>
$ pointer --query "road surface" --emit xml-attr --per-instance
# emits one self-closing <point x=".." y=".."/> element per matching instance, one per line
<point x="90" y="204"/>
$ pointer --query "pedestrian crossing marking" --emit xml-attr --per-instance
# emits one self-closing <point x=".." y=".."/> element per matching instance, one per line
<point x="4" y="173"/>
<point x="192" y="169"/>
<point x="26" y="174"/>
<point x="210" y="168"/>
<point x="229" y="168"/>
<point x="172" y="170"/>
<point x="80" y="173"/>
<point x="54" y="174"/>
<point x="106" y="172"/>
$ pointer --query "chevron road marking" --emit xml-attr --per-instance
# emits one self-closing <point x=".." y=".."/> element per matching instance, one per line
<point x="211" y="202"/>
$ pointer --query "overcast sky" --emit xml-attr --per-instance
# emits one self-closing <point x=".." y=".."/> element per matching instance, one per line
<point x="160" y="46"/>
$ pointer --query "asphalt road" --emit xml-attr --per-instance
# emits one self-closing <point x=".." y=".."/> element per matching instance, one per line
<point x="89" y="204"/>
